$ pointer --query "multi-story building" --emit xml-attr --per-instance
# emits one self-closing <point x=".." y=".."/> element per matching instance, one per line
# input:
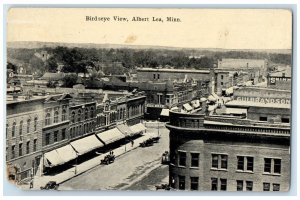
<point x="280" y="79"/>
<point x="24" y="128"/>
<point x="56" y="122"/>
<point x="162" y="74"/>
<point x="228" y="154"/>
<point x="82" y="119"/>
<point x="122" y="110"/>
<point x="262" y="104"/>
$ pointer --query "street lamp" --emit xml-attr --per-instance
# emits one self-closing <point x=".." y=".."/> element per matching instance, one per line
<point x="125" y="139"/>
<point x="158" y="126"/>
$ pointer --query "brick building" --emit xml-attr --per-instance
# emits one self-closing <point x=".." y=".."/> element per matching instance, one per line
<point x="24" y="128"/>
<point x="225" y="154"/>
<point x="162" y="74"/>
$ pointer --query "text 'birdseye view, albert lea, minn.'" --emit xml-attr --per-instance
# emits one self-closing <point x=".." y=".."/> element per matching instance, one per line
<point x="98" y="116"/>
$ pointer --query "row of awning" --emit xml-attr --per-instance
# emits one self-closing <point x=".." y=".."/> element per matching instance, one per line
<point x="82" y="146"/>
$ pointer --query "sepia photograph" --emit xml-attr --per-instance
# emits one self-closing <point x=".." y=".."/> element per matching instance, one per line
<point x="148" y="99"/>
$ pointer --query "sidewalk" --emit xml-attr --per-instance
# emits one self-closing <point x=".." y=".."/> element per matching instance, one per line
<point x="85" y="166"/>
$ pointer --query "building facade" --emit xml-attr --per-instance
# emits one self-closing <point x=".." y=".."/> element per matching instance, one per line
<point x="220" y="154"/>
<point x="161" y="74"/>
<point x="82" y="119"/>
<point x="24" y="128"/>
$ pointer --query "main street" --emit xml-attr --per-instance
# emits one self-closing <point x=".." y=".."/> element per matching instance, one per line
<point x="127" y="170"/>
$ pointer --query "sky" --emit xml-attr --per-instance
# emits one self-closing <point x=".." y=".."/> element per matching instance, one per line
<point x="198" y="28"/>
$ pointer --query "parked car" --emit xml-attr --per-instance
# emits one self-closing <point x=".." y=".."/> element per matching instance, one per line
<point x="51" y="185"/>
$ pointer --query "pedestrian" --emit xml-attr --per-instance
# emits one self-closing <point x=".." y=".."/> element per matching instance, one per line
<point x="112" y="152"/>
<point x="132" y="142"/>
<point x="31" y="183"/>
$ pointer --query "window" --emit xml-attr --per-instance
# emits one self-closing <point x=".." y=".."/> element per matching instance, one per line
<point x="223" y="184"/>
<point x="35" y="123"/>
<point x="222" y="76"/>
<point x="47" y="138"/>
<point x="249" y="185"/>
<point x="277" y="166"/>
<point x="86" y="113"/>
<point x="224" y="161"/>
<point x="241" y="160"/>
<point x="73" y="117"/>
<point x="154" y="76"/>
<point x="157" y="76"/>
<point x="182" y="158"/>
<point x="194" y="183"/>
<point x="27" y="147"/>
<point x="215" y="161"/>
<point x="56" y="117"/>
<point x="55" y="138"/>
<point x="240" y="163"/>
<point x="34" y="144"/>
<point x="7" y="127"/>
<point x="181" y="182"/>
<point x="250" y="164"/>
<point x="28" y="125"/>
<point x="21" y="128"/>
<point x="21" y="149"/>
<point x="264" y="119"/>
<point x="92" y="112"/>
<point x="194" y="159"/>
<point x="13" y="154"/>
<point x="285" y="120"/>
<point x="239" y="185"/>
<point x="47" y="119"/>
<point x="63" y="134"/>
<point x="13" y="132"/>
<point x="276" y="187"/>
<point x="214" y="184"/>
<point x="64" y="115"/>
<point x="267" y="166"/>
<point x="221" y="83"/>
<point x="266" y="186"/>
<point x="79" y="115"/>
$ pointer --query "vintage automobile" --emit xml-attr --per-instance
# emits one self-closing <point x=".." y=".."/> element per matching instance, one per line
<point x="146" y="143"/>
<point x="162" y="187"/>
<point x="155" y="139"/>
<point x="108" y="159"/>
<point x="51" y="185"/>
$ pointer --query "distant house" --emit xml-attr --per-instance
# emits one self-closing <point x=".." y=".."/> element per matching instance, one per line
<point x="52" y="76"/>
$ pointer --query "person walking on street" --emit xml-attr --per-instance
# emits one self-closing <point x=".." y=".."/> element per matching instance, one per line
<point x="31" y="183"/>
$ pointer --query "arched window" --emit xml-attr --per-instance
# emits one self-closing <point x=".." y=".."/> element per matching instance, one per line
<point x="28" y="125"/>
<point x="47" y="119"/>
<point x="35" y="123"/>
<point x="56" y="117"/>
<point x="64" y="115"/>
<point x="21" y="128"/>
<point x="13" y="132"/>
<point x="86" y="113"/>
<point x="73" y="117"/>
<point x="79" y="115"/>
<point x="92" y="112"/>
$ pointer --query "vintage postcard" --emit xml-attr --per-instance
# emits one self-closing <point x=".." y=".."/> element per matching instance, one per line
<point x="148" y="99"/>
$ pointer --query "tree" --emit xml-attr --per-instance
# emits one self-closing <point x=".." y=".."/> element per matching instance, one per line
<point x="70" y="80"/>
<point x="51" y="64"/>
<point x="12" y="66"/>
